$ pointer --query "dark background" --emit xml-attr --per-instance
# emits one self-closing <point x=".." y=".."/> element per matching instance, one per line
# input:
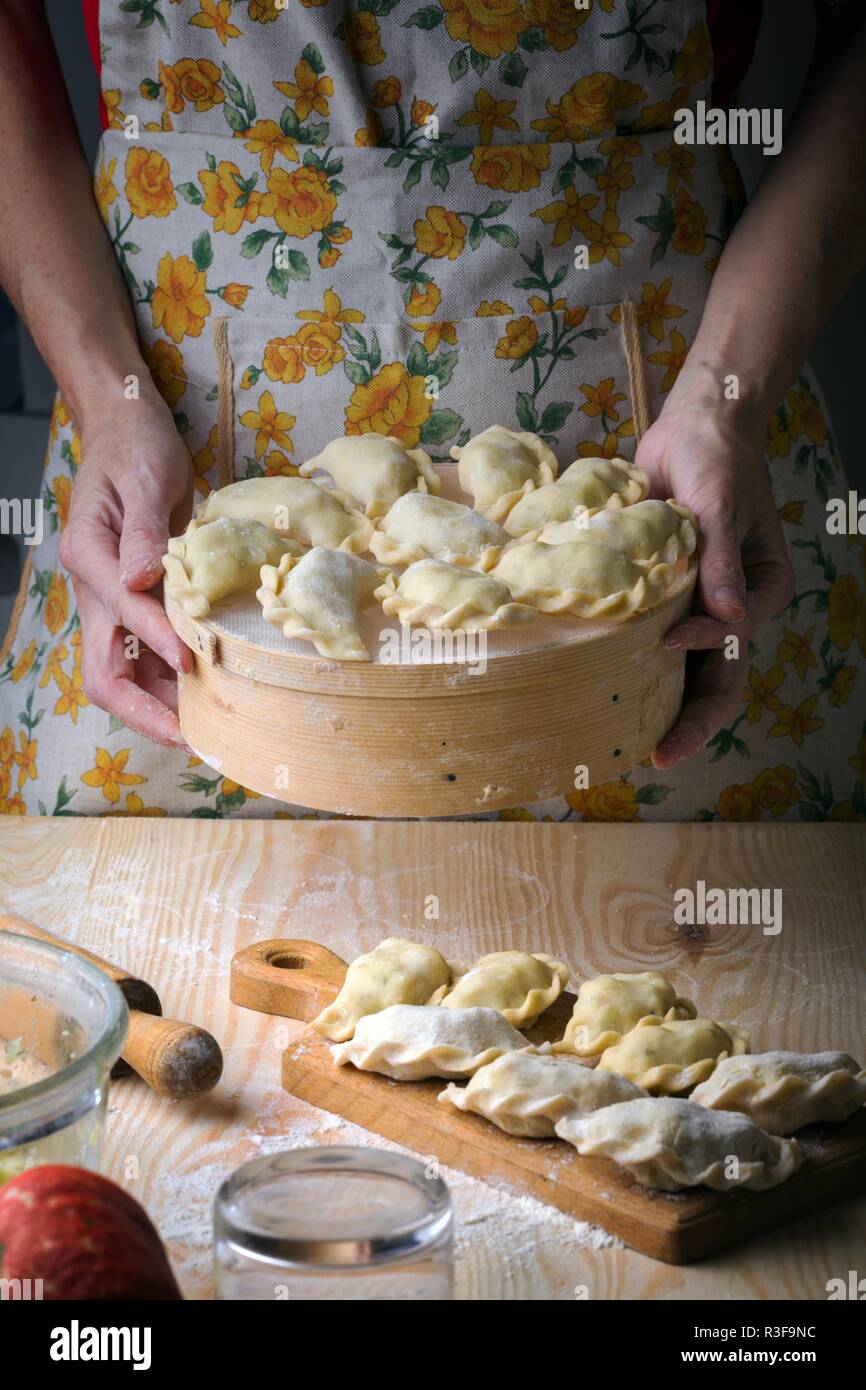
<point x="774" y="79"/>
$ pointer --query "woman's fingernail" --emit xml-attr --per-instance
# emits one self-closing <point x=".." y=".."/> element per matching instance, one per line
<point x="728" y="599"/>
<point x="136" y="569"/>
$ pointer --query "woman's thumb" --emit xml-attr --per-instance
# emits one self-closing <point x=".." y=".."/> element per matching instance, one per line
<point x="721" y="582"/>
<point x="143" y="539"/>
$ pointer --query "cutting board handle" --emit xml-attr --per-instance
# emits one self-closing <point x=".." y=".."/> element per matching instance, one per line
<point x="295" y="979"/>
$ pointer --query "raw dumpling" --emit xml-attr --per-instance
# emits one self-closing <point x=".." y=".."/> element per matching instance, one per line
<point x="526" y="1092"/>
<point x="499" y="465"/>
<point x="650" y="532"/>
<point x="209" y="562"/>
<point x="437" y="594"/>
<point x="518" y="985"/>
<point x="783" y="1091"/>
<point x="670" y="1056"/>
<point x="293" y="507"/>
<point x="394" y="972"/>
<point x="611" y="1005"/>
<point x="586" y="483"/>
<point x="586" y="580"/>
<point x="410" y="1043"/>
<point x="374" y="469"/>
<point x="318" y="598"/>
<point x="674" y="1144"/>
<point x="419" y="525"/>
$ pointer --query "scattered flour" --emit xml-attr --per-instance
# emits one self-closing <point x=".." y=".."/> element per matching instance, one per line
<point x="491" y="1218"/>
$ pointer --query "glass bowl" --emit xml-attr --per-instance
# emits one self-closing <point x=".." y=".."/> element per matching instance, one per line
<point x="62" y="1027"/>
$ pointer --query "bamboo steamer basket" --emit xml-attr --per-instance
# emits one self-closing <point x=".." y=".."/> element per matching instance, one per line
<point x="556" y="704"/>
<point x="434" y="737"/>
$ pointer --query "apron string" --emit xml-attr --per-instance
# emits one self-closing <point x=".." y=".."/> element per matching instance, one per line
<point x="225" y="403"/>
<point x="636" y="368"/>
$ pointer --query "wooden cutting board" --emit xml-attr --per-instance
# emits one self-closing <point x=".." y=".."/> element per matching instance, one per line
<point x="296" y="979"/>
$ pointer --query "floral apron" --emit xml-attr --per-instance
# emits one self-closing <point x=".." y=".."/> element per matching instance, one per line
<point x="374" y="212"/>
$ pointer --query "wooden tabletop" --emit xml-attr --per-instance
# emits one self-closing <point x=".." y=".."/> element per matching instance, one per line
<point x="173" y="900"/>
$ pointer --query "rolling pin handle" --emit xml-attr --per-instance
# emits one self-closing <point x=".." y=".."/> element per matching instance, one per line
<point x="178" y="1060"/>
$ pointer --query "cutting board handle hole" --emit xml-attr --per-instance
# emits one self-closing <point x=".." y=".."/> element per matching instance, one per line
<point x="283" y="961"/>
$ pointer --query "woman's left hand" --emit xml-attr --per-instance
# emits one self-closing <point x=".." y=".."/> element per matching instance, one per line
<point x="708" y="453"/>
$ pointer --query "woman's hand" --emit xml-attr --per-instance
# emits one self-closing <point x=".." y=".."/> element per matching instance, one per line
<point x="708" y="453"/>
<point x="133" y="489"/>
<point x="135" y="481"/>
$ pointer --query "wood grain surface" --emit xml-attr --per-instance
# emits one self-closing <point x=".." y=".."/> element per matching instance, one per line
<point x="171" y="901"/>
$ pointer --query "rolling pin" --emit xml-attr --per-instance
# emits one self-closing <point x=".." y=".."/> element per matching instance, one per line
<point x="178" y="1060"/>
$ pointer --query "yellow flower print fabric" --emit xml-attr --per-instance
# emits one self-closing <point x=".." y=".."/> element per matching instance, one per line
<point x="384" y="202"/>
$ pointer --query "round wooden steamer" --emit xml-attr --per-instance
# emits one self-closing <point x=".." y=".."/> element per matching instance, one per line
<point x="443" y="739"/>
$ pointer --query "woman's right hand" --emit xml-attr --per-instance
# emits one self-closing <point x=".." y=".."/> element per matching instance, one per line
<point x="133" y="489"/>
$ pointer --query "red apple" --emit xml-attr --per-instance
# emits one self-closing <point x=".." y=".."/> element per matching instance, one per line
<point x="83" y="1236"/>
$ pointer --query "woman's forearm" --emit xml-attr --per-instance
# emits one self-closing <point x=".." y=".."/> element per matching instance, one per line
<point x="798" y="245"/>
<point x="56" y="261"/>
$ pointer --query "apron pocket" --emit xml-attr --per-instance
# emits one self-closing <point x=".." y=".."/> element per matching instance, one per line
<point x="286" y="388"/>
